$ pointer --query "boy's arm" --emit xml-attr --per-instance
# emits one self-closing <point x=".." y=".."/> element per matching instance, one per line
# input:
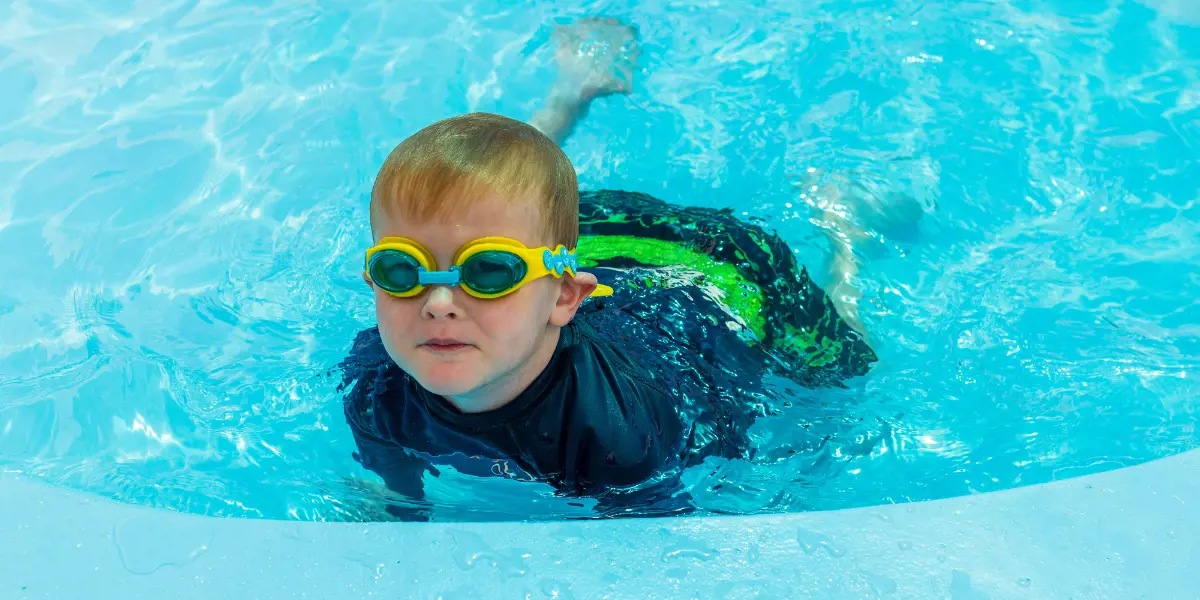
<point x="666" y="497"/>
<point x="362" y="371"/>
<point x="401" y="473"/>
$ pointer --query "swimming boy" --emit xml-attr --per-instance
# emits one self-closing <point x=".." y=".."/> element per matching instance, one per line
<point x="498" y="355"/>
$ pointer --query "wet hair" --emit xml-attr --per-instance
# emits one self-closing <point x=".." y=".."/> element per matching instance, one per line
<point x="442" y="169"/>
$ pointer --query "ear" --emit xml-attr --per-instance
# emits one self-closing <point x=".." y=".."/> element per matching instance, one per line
<point x="367" y="280"/>
<point x="572" y="293"/>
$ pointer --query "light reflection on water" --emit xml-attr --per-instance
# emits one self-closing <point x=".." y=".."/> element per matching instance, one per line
<point x="183" y="204"/>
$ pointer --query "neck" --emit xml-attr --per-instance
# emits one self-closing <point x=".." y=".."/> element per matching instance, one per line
<point x="507" y="387"/>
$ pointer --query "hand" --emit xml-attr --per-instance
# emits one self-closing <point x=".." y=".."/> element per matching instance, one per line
<point x="373" y="501"/>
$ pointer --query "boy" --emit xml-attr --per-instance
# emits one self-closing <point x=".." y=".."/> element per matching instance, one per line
<point x="497" y="355"/>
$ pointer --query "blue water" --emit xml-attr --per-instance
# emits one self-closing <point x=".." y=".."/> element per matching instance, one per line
<point x="183" y="208"/>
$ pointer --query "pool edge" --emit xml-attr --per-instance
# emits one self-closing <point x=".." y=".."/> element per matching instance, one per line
<point x="1123" y="533"/>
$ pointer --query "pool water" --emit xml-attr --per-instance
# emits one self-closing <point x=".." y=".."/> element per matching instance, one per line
<point x="183" y="211"/>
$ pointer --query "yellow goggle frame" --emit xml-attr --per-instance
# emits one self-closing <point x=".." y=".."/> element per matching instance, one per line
<point x="539" y="262"/>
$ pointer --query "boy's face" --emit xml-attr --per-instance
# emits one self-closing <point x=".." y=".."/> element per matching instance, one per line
<point x="478" y="353"/>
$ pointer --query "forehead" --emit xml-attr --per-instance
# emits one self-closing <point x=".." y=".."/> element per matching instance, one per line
<point x="488" y="215"/>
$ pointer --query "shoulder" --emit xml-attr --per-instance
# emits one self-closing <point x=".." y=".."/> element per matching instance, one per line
<point x="366" y="354"/>
<point x="666" y="322"/>
<point x="626" y="424"/>
<point x="610" y="353"/>
<point x="368" y="374"/>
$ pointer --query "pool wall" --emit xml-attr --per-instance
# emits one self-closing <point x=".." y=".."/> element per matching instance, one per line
<point x="1130" y="533"/>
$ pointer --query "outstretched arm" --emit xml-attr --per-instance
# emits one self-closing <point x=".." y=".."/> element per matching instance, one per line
<point x="596" y="58"/>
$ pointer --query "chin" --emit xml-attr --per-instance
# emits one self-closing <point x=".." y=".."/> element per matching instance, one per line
<point x="448" y="380"/>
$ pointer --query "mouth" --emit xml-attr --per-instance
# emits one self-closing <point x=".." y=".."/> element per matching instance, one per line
<point x="444" y="345"/>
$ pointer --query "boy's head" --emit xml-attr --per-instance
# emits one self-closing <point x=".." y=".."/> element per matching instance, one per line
<point x="444" y="169"/>
<point x="458" y="180"/>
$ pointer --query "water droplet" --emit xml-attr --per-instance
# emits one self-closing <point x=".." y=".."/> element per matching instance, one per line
<point x="557" y="590"/>
<point x="470" y="548"/>
<point x="960" y="587"/>
<point x="569" y="533"/>
<point x="368" y="562"/>
<point x="689" y="549"/>
<point x="294" y="533"/>
<point x="677" y="573"/>
<point x="143" y="549"/>
<point x="811" y="541"/>
<point x="882" y="585"/>
<point x="1024" y="582"/>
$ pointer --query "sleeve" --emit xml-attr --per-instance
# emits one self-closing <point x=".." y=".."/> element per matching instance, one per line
<point x="663" y="498"/>
<point x="400" y="472"/>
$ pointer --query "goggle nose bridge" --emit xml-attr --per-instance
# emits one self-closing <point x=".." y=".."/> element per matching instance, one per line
<point x="450" y="277"/>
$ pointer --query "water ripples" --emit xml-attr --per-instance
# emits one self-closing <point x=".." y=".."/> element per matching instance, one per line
<point x="183" y="203"/>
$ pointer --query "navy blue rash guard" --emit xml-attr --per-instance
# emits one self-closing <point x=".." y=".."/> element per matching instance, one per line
<point x="642" y="383"/>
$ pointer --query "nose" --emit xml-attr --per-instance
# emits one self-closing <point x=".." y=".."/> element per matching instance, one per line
<point x="439" y="303"/>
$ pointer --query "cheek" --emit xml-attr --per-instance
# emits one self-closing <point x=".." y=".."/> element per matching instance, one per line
<point x="394" y="314"/>
<point x="516" y="315"/>
<point x="499" y="317"/>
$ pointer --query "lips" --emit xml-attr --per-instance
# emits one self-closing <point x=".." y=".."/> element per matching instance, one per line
<point x="444" y="344"/>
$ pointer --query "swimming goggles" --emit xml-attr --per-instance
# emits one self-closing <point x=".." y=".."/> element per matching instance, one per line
<point x="487" y="268"/>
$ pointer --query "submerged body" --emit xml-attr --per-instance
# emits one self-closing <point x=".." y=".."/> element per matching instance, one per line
<point x="539" y="379"/>
<point x="640" y="385"/>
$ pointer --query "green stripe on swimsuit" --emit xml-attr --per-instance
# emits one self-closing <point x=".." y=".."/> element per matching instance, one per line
<point x="754" y="272"/>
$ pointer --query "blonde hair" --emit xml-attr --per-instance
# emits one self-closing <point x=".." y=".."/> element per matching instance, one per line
<point x="440" y="170"/>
